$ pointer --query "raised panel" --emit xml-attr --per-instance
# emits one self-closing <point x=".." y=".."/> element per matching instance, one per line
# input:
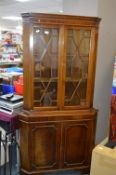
<point x="45" y="141"/>
<point x="76" y="139"/>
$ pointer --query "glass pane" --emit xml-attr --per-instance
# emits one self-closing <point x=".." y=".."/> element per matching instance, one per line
<point x="77" y="58"/>
<point x="46" y="66"/>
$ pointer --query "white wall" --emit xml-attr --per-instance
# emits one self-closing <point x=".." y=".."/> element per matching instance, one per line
<point x="106" y="9"/>
<point x="80" y="7"/>
<point x="106" y="52"/>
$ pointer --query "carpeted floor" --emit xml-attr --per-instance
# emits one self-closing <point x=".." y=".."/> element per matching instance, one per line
<point x="14" y="171"/>
<point x="65" y="173"/>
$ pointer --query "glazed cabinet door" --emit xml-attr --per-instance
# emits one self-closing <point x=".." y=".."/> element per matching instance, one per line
<point x="45" y="145"/>
<point x="77" y="140"/>
<point x="46" y="52"/>
<point x="79" y="67"/>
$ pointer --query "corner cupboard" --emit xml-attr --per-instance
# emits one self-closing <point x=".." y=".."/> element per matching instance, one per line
<point x="57" y="126"/>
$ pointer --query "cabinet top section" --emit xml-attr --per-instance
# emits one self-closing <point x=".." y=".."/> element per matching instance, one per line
<point x="60" y="18"/>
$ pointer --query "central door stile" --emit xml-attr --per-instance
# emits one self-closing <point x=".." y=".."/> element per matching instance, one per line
<point x="62" y="67"/>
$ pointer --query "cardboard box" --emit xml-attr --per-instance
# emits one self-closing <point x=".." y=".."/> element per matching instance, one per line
<point x="103" y="160"/>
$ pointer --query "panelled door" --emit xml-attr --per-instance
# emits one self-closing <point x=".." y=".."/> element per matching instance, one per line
<point x="45" y="145"/>
<point x="76" y="140"/>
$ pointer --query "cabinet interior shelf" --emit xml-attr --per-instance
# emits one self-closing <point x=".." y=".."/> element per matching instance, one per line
<point x="55" y="79"/>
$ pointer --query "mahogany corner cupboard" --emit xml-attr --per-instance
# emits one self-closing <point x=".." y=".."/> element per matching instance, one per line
<point x="57" y="125"/>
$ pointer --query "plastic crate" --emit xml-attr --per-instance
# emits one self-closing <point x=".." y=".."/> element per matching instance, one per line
<point x="18" y="88"/>
<point x="6" y="89"/>
<point x="113" y="90"/>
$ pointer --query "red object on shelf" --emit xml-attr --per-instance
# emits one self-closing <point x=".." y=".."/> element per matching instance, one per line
<point x="18" y="86"/>
<point x="113" y="119"/>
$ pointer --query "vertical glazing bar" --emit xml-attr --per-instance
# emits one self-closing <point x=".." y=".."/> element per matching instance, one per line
<point x="62" y="67"/>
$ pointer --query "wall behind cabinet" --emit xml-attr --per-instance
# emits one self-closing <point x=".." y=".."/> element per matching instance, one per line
<point x="105" y="9"/>
<point x="105" y="59"/>
<point x="80" y="7"/>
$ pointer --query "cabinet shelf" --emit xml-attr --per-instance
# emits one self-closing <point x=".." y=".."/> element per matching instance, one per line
<point x="54" y="79"/>
<point x="10" y="63"/>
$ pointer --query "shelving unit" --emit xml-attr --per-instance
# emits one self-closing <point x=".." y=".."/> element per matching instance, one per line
<point x="11" y="52"/>
<point x="11" y="55"/>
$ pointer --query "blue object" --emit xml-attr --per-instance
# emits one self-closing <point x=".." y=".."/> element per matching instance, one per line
<point x="6" y="89"/>
<point x="113" y="90"/>
<point x="14" y="69"/>
<point x="9" y="45"/>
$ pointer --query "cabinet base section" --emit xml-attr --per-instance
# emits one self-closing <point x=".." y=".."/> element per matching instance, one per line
<point x="60" y="141"/>
<point x="80" y="171"/>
